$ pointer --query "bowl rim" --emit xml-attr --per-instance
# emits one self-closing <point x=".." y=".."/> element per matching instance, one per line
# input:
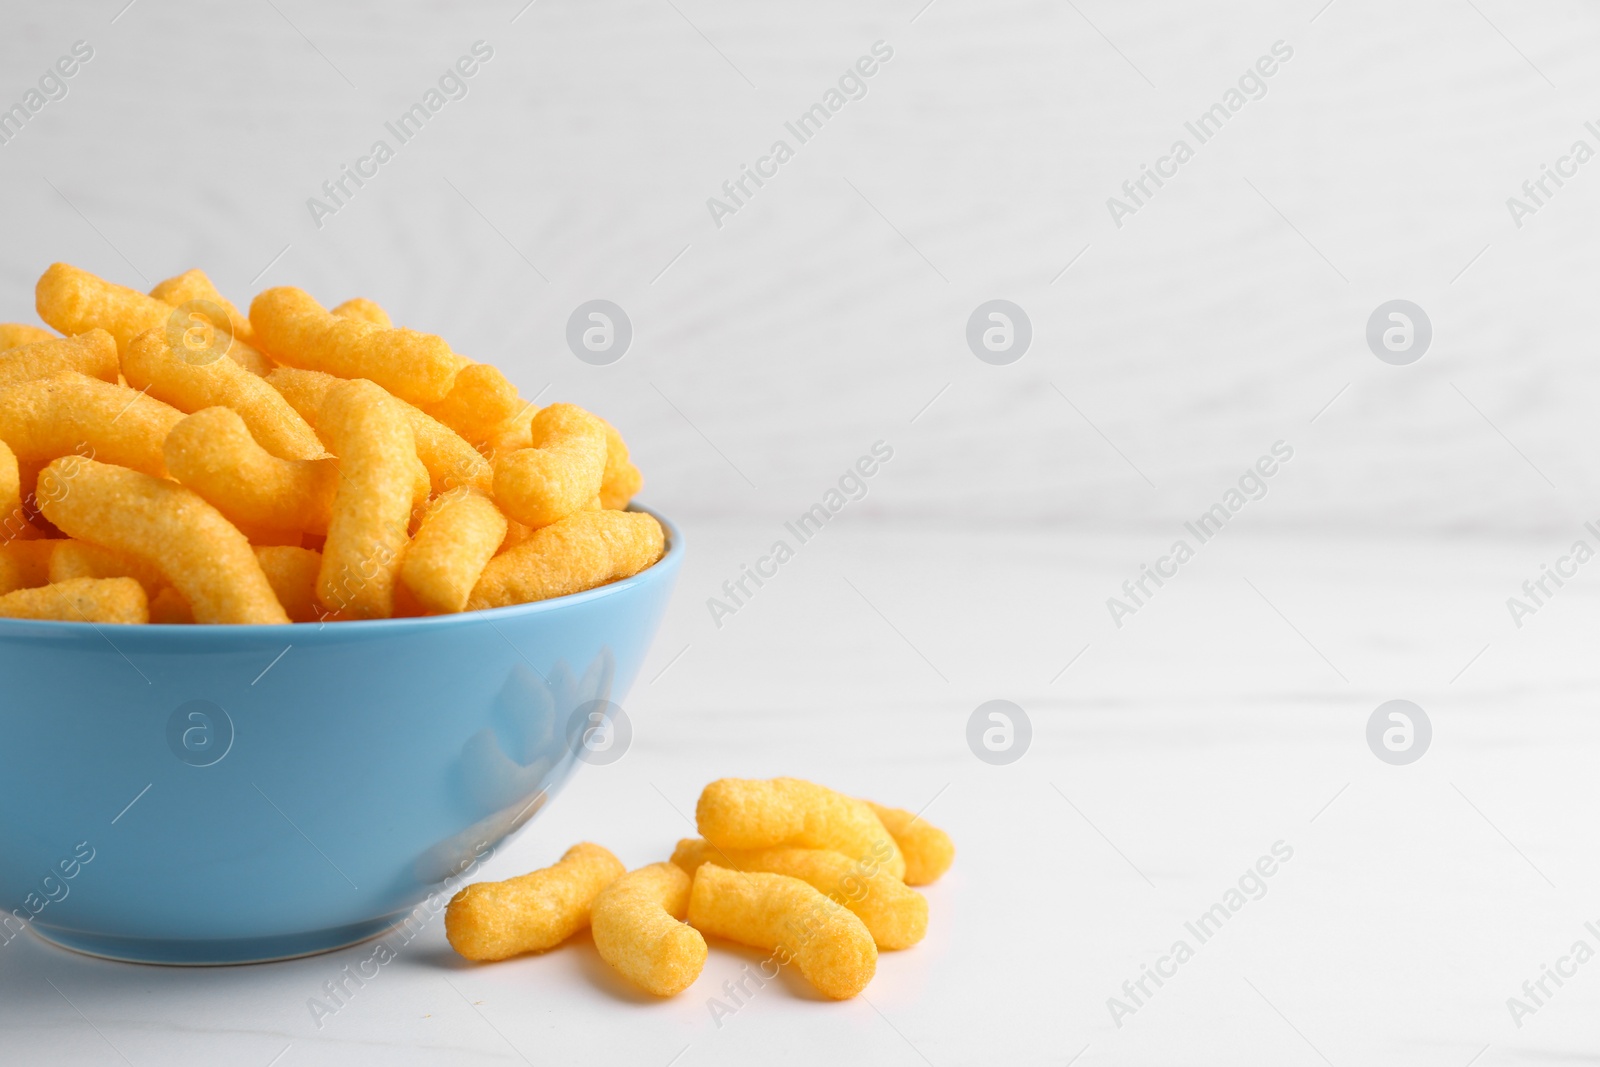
<point x="672" y="556"/>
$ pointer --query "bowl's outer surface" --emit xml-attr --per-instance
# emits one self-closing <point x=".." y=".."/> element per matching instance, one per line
<point x="220" y="794"/>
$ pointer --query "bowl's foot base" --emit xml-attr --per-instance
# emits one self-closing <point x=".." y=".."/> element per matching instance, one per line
<point x="214" y="953"/>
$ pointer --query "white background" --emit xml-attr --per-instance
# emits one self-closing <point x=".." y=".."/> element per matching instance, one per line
<point x="829" y="313"/>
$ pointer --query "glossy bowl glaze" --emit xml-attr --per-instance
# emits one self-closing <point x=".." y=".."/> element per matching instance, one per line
<point x="230" y="794"/>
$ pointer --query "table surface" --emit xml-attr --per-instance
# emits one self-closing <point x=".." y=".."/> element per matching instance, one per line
<point x="1167" y="759"/>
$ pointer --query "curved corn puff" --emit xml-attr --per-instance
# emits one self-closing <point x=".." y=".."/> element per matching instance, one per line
<point x="192" y="286"/>
<point x="15" y="334"/>
<point x="151" y="364"/>
<point x="11" y="514"/>
<point x="84" y="559"/>
<point x="559" y="473"/>
<point x="75" y="301"/>
<point x="766" y="813"/>
<point x="450" y="461"/>
<point x="928" y="850"/>
<point x="294" y="329"/>
<point x="459" y="534"/>
<point x="621" y="480"/>
<point x="168" y="608"/>
<point x="42" y="420"/>
<point x="93" y="354"/>
<point x="292" y="573"/>
<point x="637" y="929"/>
<point x="213" y="453"/>
<point x="161" y="522"/>
<point x="373" y="502"/>
<point x="480" y="399"/>
<point x="533" y="912"/>
<point x="580" y="552"/>
<point x="773" y="911"/>
<point x="359" y="307"/>
<point x="96" y="600"/>
<point x="25" y="564"/>
<point x="895" y="916"/>
<point x="516" y="432"/>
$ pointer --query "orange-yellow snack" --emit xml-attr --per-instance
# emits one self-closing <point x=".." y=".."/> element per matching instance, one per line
<point x="514" y="433"/>
<point x="93" y="354"/>
<point x="621" y="480"/>
<point x="15" y="334"/>
<point x="928" y="850"/>
<point x="168" y="608"/>
<point x="516" y="534"/>
<point x="559" y="473"/>
<point x="97" y="600"/>
<point x="460" y="533"/>
<point x="161" y="522"/>
<point x="580" y="552"/>
<point x="11" y="513"/>
<point x="533" y="912"/>
<point x="81" y="559"/>
<point x="450" y="461"/>
<point x="192" y="286"/>
<point x="638" y="929"/>
<point x="213" y="453"/>
<point x="151" y="364"/>
<point x="480" y="399"/>
<point x="295" y="329"/>
<point x="305" y="390"/>
<point x="14" y="524"/>
<point x="53" y="417"/>
<point x="25" y="564"/>
<point x="372" y="505"/>
<point x="262" y="536"/>
<point x="773" y="911"/>
<point x="895" y="916"/>
<point x="766" y="813"/>
<point x="292" y="573"/>
<point x="75" y="301"/>
<point x="359" y="307"/>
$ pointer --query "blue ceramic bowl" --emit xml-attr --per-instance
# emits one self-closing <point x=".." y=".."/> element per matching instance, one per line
<point x="229" y="794"/>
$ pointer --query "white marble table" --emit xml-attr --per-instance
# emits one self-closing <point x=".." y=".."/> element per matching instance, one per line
<point x="1169" y="757"/>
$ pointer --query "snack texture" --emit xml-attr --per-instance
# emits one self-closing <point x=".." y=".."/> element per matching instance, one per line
<point x="25" y="564"/>
<point x="819" y="909"/>
<point x="213" y="453"/>
<point x="97" y="600"/>
<point x="93" y="354"/>
<point x="297" y="331"/>
<point x="638" y="929"/>
<point x="533" y="912"/>
<point x="153" y="366"/>
<point x="458" y="536"/>
<point x="372" y="506"/>
<point x="754" y="813"/>
<point x="895" y="916"/>
<point x="13" y="334"/>
<point x="830" y="945"/>
<point x="292" y="463"/>
<point x="582" y="551"/>
<point x="73" y="414"/>
<point x="928" y="850"/>
<point x="160" y="522"/>
<point x="561" y="470"/>
<point x="75" y="301"/>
